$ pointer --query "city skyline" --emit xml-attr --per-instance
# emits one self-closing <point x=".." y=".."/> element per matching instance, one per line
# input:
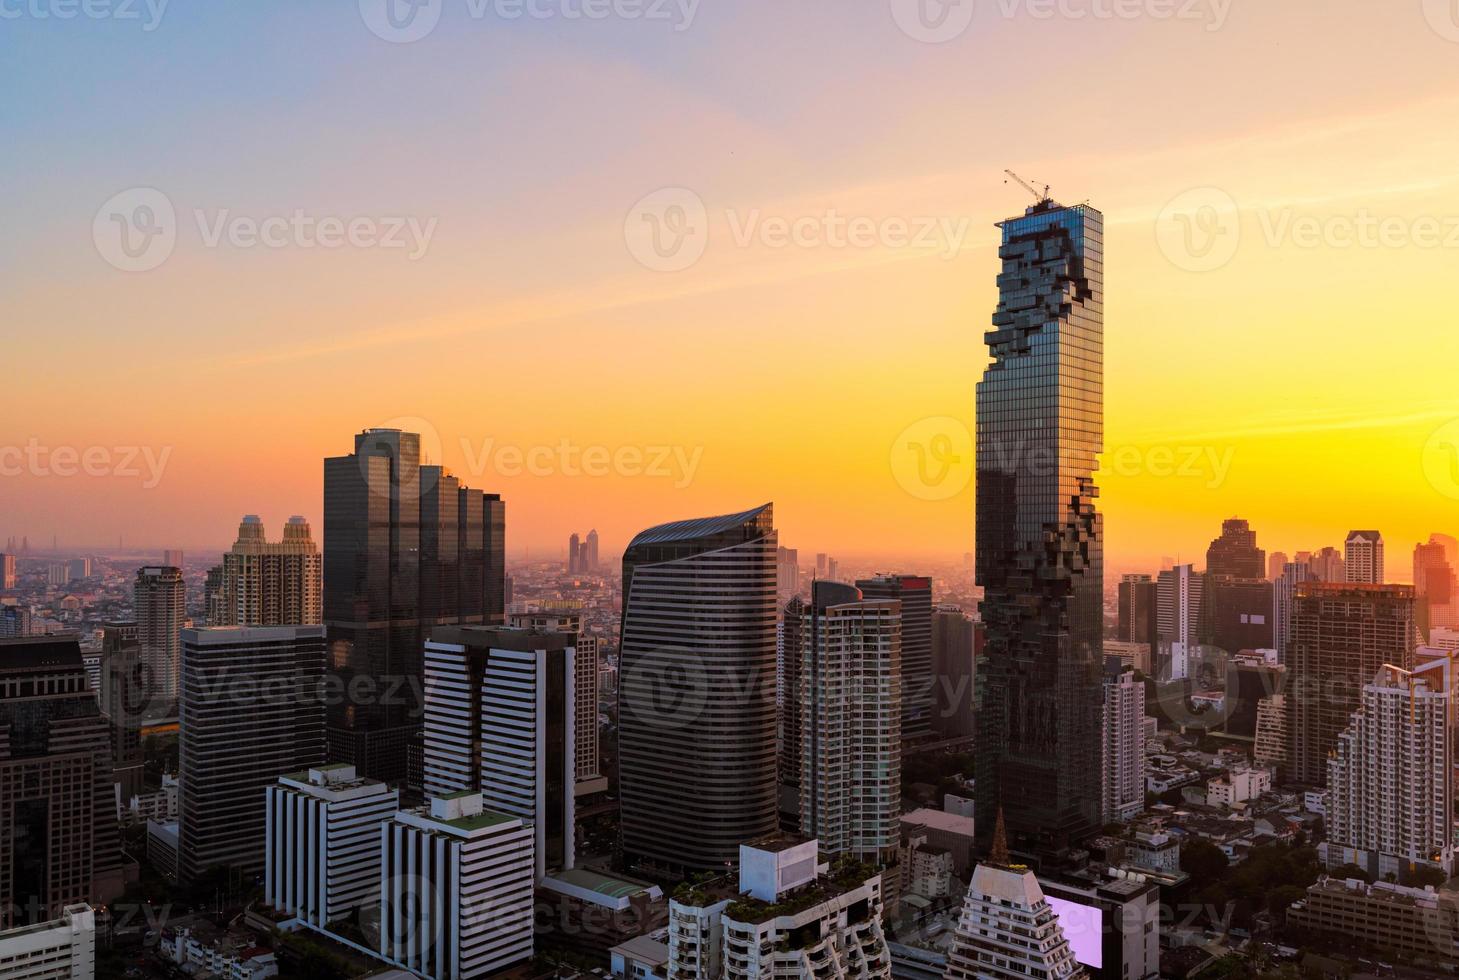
<point x="335" y="341"/>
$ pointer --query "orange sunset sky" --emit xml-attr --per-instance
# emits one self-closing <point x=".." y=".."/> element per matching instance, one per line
<point x="1299" y="366"/>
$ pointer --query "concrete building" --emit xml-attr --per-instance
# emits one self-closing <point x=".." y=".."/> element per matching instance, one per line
<point x="1137" y="609"/>
<point x="1413" y="922"/>
<point x="586" y="753"/>
<point x="322" y="843"/>
<point x="1111" y="920"/>
<point x="850" y="701"/>
<point x="456" y="889"/>
<point x="914" y="592"/>
<point x="1272" y="740"/>
<point x="1363" y="557"/>
<point x="1234" y="554"/>
<point x="954" y="672"/>
<point x="1180" y="592"/>
<point x="1238" y="786"/>
<point x="950" y="831"/>
<point x="252" y="708"/>
<point x="791" y="917"/>
<point x="1390" y="783"/>
<point x="1434" y="582"/>
<point x="159" y="598"/>
<point x="63" y="948"/>
<point x="269" y="583"/>
<point x="1008" y="929"/>
<point x="1342" y="635"/>
<point x="1123" y="757"/>
<point x="7" y="572"/>
<point x="59" y="840"/>
<point x="500" y="712"/>
<point x="790" y="651"/>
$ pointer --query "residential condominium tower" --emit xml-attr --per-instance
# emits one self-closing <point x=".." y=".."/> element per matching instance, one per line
<point x="1363" y="557"/>
<point x="1039" y="558"/>
<point x="850" y="729"/>
<point x="160" y="599"/>
<point x="696" y="692"/>
<point x="269" y="583"/>
<point x="914" y="592"/>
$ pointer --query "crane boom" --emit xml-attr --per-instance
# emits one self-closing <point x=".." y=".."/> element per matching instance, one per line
<point x="1041" y="197"/>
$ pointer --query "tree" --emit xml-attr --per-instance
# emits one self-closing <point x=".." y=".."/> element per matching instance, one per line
<point x="1203" y="861"/>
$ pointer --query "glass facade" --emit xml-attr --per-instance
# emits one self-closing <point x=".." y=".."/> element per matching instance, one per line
<point x="1040" y="408"/>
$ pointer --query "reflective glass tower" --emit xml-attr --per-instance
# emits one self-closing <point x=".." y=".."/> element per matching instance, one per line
<point x="1039" y="539"/>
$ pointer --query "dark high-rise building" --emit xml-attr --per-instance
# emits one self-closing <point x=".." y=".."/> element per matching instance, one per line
<point x="1341" y="636"/>
<point x="590" y="551"/>
<point x="954" y="672"/>
<point x="1040" y="412"/>
<point x="406" y="548"/>
<point x="696" y="691"/>
<point x="251" y="711"/>
<point x="574" y="554"/>
<point x="1238" y="614"/>
<point x="126" y="697"/>
<point x="1138" y="613"/>
<point x="789" y="653"/>
<point x="1234" y="553"/>
<point x="160" y="600"/>
<point x="915" y="594"/>
<point x="59" y="842"/>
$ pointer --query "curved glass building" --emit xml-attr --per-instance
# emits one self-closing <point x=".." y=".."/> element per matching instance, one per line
<point x="696" y="699"/>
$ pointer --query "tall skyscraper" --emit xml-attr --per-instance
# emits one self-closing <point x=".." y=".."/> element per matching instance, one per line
<point x="590" y="550"/>
<point x="160" y="601"/>
<point x="1284" y="589"/>
<point x="1390" y="783"/>
<point x="696" y="700"/>
<point x="1237" y="614"/>
<point x="252" y="709"/>
<point x="1363" y="557"/>
<point x="499" y="721"/>
<point x="587" y="755"/>
<point x="850" y="729"/>
<point x="954" y="670"/>
<point x="1342" y="634"/>
<point x="1234" y="553"/>
<point x="1275" y="562"/>
<point x="173" y="557"/>
<point x="790" y="651"/>
<point x="267" y="583"/>
<point x="1039" y="539"/>
<point x="1137" y="609"/>
<point x="1180" y="599"/>
<point x="1434" y="582"/>
<point x="406" y="547"/>
<point x="914" y="592"/>
<point x="59" y="842"/>
<point x="1327" y="565"/>
<point x="7" y="571"/>
<point x="1123" y="763"/>
<point x="787" y="575"/>
<point x="127" y="700"/>
<point x="574" y="554"/>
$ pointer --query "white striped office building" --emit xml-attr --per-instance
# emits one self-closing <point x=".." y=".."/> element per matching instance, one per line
<point x="456" y="886"/>
<point x="499" y="720"/>
<point x="323" y="843"/>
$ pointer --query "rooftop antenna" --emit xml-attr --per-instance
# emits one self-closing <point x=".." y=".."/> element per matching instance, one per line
<point x="1042" y="198"/>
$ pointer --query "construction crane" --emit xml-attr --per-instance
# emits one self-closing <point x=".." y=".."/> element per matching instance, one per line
<point x="1041" y="197"/>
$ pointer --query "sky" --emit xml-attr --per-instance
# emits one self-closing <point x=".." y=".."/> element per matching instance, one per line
<point x="680" y="258"/>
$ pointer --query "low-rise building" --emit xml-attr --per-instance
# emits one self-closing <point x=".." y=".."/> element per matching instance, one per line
<point x="792" y="916"/>
<point x="201" y="950"/>
<point x="1238" y="786"/>
<point x="641" y="958"/>
<point x="63" y="948"/>
<point x="1422" y="923"/>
